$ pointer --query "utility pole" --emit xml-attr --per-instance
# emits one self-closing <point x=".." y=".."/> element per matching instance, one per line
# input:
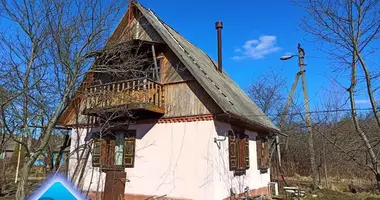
<point x="18" y="161"/>
<point x="301" y="64"/>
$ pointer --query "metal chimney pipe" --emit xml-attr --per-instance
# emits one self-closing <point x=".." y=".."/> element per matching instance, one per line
<point x="219" y="26"/>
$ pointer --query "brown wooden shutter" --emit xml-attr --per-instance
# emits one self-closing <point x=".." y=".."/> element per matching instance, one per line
<point x="103" y="152"/>
<point x="246" y="142"/>
<point x="129" y="152"/>
<point x="232" y="148"/>
<point x="96" y="153"/>
<point x="241" y="153"/>
<point x="265" y="153"/>
<point x="111" y="153"/>
<point x="107" y="153"/>
<point x="259" y="153"/>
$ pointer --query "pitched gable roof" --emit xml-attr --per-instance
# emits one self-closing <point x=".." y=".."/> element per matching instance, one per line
<point x="222" y="89"/>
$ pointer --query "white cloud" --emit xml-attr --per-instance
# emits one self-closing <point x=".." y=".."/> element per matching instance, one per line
<point x="237" y="58"/>
<point x="257" y="49"/>
<point x="362" y="101"/>
<point x="366" y="101"/>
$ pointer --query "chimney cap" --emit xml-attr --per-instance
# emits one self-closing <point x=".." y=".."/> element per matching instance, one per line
<point x="218" y="24"/>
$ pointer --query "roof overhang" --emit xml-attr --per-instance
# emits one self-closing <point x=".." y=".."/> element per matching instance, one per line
<point x="249" y="124"/>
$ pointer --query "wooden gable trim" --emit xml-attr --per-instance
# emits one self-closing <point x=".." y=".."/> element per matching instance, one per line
<point x="206" y="117"/>
<point x="123" y="23"/>
<point x="186" y="119"/>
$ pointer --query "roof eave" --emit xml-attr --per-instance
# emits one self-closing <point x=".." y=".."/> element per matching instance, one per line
<point x="260" y="127"/>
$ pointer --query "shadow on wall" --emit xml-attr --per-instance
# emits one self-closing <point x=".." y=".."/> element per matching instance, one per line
<point x="142" y="130"/>
<point x="222" y="130"/>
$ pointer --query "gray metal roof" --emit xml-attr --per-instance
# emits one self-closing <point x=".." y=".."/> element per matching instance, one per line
<point x="222" y="89"/>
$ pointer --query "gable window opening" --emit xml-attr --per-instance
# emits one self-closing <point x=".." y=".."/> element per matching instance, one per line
<point x="114" y="150"/>
<point x="238" y="146"/>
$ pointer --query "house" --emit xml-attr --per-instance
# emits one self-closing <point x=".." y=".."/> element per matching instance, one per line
<point x="182" y="130"/>
<point x="10" y="148"/>
<point x="7" y="149"/>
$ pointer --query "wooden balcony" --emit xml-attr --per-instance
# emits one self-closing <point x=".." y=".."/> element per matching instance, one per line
<point x="142" y="96"/>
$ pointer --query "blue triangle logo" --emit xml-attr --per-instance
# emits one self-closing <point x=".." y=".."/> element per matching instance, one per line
<point x="57" y="188"/>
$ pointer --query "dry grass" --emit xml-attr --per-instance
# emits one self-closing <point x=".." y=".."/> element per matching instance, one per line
<point x="338" y="189"/>
<point x="326" y="194"/>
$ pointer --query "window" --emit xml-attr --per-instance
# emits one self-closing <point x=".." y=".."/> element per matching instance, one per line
<point x="262" y="154"/>
<point x="116" y="149"/>
<point x="55" y="155"/>
<point x="2" y="155"/>
<point x="238" y="144"/>
<point x="96" y="153"/>
<point x="119" y="148"/>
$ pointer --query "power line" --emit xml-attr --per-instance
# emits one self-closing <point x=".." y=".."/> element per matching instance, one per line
<point x="313" y="112"/>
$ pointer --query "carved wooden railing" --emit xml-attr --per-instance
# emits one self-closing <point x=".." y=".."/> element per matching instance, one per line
<point x="137" y="92"/>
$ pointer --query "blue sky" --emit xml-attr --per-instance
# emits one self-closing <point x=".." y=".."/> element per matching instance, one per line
<point x="249" y="25"/>
<point x="256" y="34"/>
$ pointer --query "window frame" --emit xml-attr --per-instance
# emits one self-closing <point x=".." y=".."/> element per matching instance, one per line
<point x="263" y="160"/>
<point x="2" y="154"/>
<point x="238" y="148"/>
<point x="104" y="149"/>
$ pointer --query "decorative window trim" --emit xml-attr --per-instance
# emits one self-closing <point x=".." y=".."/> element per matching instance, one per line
<point x="104" y="150"/>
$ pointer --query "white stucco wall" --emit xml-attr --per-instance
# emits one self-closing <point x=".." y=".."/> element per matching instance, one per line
<point x="180" y="160"/>
<point x="224" y="179"/>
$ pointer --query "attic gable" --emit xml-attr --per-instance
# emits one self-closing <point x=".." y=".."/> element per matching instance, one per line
<point x="222" y="89"/>
<point x="134" y="26"/>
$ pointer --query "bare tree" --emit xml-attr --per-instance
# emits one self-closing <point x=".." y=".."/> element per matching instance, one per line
<point x="350" y="27"/>
<point x="122" y="75"/>
<point x="45" y="52"/>
<point x="268" y="93"/>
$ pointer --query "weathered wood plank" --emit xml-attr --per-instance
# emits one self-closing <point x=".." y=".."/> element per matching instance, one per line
<point x="187" y="99"/>
<point x="138" y="92"/>
<point x="172" y="70"/>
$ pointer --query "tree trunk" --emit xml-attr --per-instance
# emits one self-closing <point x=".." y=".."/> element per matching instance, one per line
<point x="23" y="183"/>
<point x="325" y="162"/>
<point x="369" y="88"/>
<point x="49" y="160"/>
<point x="60" y="153"/>
<point x="3" y="179"/>
<point x="355" y="120"/>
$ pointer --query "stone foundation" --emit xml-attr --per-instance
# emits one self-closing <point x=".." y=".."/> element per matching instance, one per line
<point x="254" y="192"/>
